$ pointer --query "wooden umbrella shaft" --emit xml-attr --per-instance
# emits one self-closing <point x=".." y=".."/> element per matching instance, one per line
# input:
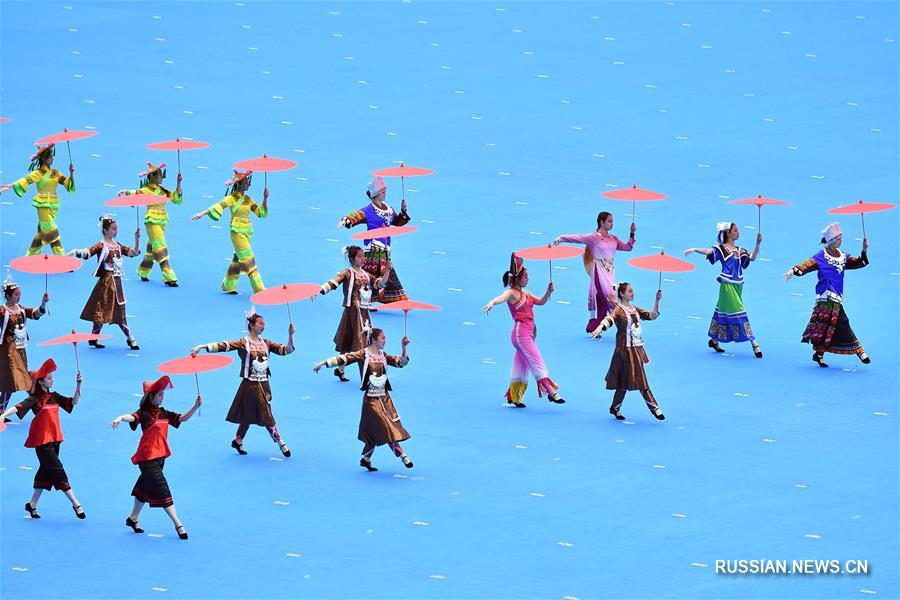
<point x="69" y="150"/>
<point x="77" y="366"/>
<point x="197" y="381"/>
<point x="863" y="217"/>
<point x="290" y="320"/>
<point x="660" y="280"/>
<point x="179" y="161"/>
<point x="633" y="210"/>
<point x="405" y="316"/>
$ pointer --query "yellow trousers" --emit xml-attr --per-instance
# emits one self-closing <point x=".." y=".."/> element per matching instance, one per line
<point x="242" y="262"/>
<point x="157" y="252"/>
<point x="47" y="232"/>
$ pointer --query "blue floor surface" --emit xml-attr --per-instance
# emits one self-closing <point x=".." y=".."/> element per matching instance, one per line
<point x="528" y="112"/>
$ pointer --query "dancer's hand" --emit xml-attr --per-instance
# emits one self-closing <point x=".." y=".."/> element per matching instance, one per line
<point x="487" y="307"/>
<point x="758" y="239"/>
<point x="71" y="170"/>
<point x="687" y="252"/>
<point x="199" y="215"/>
<point x="137" y="233"/>
<point x="265" y="194"/>
<point x="404" y="342"/>
<point x="403" y="205"/>
<point x="318" y="366"/>
<point x="78" y="379"/>
<point x="198" y="402"/>
<point x="116" y="422"/>
<point x="556" y="241"/>
<point x="195" y="350"/>
<point x="46" y="298"/>
<point x="550" y="288"/>
<point x="596" y="333"/>
<point x="611" y="299"/>
<point x="865" y="244"/>
<point x="124" y="193"/>
<point x="633" y="229"/>
<point x="291" y="329"/>
<point x="658" y="296"/>
<point x="788" y="275"/>
<point x="341" y="223"/>
<point x="180" y="177"/>
<point x="71" y="253"/>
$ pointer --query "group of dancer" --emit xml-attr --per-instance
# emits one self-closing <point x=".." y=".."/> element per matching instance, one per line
<point x="368" y="277"/>
<point x="610" y="303"/>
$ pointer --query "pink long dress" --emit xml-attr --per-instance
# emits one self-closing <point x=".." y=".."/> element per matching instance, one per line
<point x="599" y="254"/>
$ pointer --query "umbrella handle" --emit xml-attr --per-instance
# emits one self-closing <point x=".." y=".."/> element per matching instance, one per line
<point x="633" y="210"/>
<point x="197" y="381"/>
<point x="402" y="189"/>
<point x="759" y="219"/>
<point x="137" y="219"/>
<point x="265" y="180"/>
<point x="660" y="281"/>
<point x="77" y="366"/>
<point x="405" y="315"/>
<point x="290" y="320"/>
<point x="863" y="217"/>
<point x="179" y="161"/>
<point x="69" y="149"/>
<point x="551" y="270"/>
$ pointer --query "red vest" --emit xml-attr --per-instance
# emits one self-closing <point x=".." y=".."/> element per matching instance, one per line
<point x="154" y="442"/>
<point x="44" y="427"/>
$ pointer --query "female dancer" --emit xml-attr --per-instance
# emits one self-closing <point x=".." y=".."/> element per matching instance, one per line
<point x="45" y="178"/>
<point x="379" y="422"/>
<point x="378" y="251"/>
<point x="45" y="435"/>
<point x="358" y="288"/>
<point x="599" y="253"/>
<point x="729" y="321"/>
<point x="252" y="402"/>
<point x="829" y="328"/>
<point x="626" y="369"/>
<point x="14" y="339"/>
<point x="155" y="221"/>
<point x="153" y="450"/>
<point x="107" y="302"/>
<point x="241" y="206"/>
<point x="524" y="333"/>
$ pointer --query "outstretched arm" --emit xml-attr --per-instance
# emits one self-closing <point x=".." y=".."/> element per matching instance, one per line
<point x="504" y="297"/>
<point x="118" y="420"/>
<point x="543" y="299"/>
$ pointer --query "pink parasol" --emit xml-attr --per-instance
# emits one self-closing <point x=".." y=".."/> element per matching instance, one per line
<point x="661" y="262"/>
<point x="178" y="145"/>
<point x="861" y="208"/>
<point x="285" y="294"/>
<point x="73" y="338"/>
<point x="548" y="253"/>
<point x="45" y="264"/>
<point x="406" y="306"/>
<point x="634" y="194"/>
<point x="66" y="136"/>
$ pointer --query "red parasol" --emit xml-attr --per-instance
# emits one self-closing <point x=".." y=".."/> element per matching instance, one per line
<point x="66" y="136"/>
<point x="137" y="200"/>
<point x="661" y="262"/>
<point x="192" y="365"/>
<point x="549" y="253"/>
<point x="759" y="202"/>
<point x="406" y="306"/>
<point x="73" y="338"/>
<point x="3" y="120"/>
<point x="381" y="232"/>
<point x="178" y="145"/>
<point x="285" y="294"/>
<point x="45" y="264"/>
<point x="634" y="194"/>
<point x="861" y="208"/>
<point x="402" y="172"/>
<point x="266" y="164"/>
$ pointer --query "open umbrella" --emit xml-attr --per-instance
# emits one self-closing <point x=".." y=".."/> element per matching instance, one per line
<point x="45" y="264"/>
<point x="193" y="365"/>
<point x="381" y="232"/>
<point x="178" y="145"/>
<point x="548" y="253"/>
<point x="66" y="136"/>
<point x="661" y="262"/>
<point x="634" y="194"/>
<point x="137" y="200"/>
<point x="759" y="201"/>
<point x="266" y="164"/>
<point x="285" y="294"/>
<point x="861" y="208"/>
<point x="406" y="306"/>
<point x="402" y="172"/>
<point x="73" y="338"/>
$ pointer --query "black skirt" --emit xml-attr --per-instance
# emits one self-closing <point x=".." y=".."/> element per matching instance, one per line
<point x="152" y="486"/>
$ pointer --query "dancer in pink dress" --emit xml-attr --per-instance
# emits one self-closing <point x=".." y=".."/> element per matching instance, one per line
<point x="528" y="357"/>
<point x="599" y="253"/>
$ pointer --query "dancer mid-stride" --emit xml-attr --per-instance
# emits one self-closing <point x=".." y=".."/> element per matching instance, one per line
<point x="106" y="303"/>
<point x="45" y="179"/>
<point x="626" y="369"/>
<point x="153" y="450"/>
<point x="14" y="339"/>
<point x="252" y="404"/>
<point x="45" y="435"/>
<point x="729" y="321"/>
<point x="379" y="422"/>
<point x="527" y="358"/>
<point x="829" y="328"/>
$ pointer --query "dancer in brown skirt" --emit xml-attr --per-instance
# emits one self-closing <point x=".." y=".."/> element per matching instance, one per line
<point x="252" y="402"/>
<point x="45" y="435"/>
<point x="153" y="450"/>
<point x="359" y="287"/>
<point x="626" y="369"/>
<point x="13" y="341"/>
<point x="107" y="302"/>
<point x="379" y="422"/>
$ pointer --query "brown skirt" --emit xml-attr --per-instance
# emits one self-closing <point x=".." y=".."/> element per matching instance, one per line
<point x="251" y="404"/>
<point x="626" y="369"/>
<point x="377" y="424"/>
<point x="350" y="336"/>
<point x="13" y="368"/>
<point x="103" y="305"/>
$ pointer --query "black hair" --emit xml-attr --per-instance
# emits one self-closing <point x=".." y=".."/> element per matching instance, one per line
<point x="620" y="289"/>
<point x="351" y="252"/>
<point x="373" y="335"/>
<point x="602" y="217"/>
<point x="36" y="162"/>
<point x="106" y="222"/>
<point x="508" y="277"/>
<point x="8" y="290"/>
<point x="722" y="235"/>
<point x="253" y="318"/>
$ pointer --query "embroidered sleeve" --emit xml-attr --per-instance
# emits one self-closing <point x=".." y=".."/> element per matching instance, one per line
<point x="745" y="258"/>
<point x="575" y="238"/>
<point x="128" y="251"/>
<point x="260" y="211"/>
<point x="857" y="262"/>
<point x="175" y="197"/>
<point x="620" y="245"/>
<point x="609" y="319"/>
<point x="65" y="402"/>
<point x="646" y="315"/>
<point x="332" y="284"/>
<point x="807" y="266"/>
<point x="66" y="182"/>
<point x="396" y="361"/>
<point x="215" y="211"/>
<point x="715" y="256"/>
<point x="400" y="219"/>
<point x="349" y="358"/>
<point x="228" y="346"/>
<point x="276" y="348"/>
<point x="354" y="218"/>
<point x="21" y="185"/>
<point x="34" y="313"/>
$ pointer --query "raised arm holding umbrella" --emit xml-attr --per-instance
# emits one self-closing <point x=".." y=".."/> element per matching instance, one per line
<point x="14" y="340"/>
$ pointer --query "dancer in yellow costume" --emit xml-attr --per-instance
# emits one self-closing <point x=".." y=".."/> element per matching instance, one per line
<point x="155" y="220"/>
<point x="241" y="206"/>
<point x="45" y="178"/>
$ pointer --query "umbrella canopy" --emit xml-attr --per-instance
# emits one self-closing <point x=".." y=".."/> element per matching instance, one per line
<point x="381" y="232"/>
<point x="286" y="293"/>
<point x="634" y="194"/>
<point x="760" y="201"/>
<point x="408" y="305"/>
<point x="403" y="171"/>
<point x="190" y="365"/>
<point x="74" y="338"/>
<point x="45" y="264"/>
<point x="661" y="262"/>
<point x="861" y="208"/>
<point x="549" y="252"/>
<point x="137" y="200"/>
<point x="178" y="144"/>
<point x="65" y="136"/>
<point x="265" y="164"/>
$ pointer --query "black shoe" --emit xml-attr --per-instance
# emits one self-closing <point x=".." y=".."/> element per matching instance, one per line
<point x="232" y="293"/>
<point x="284" y="449"/>
<point x="239" y="446"/>
<point x="171" y="283"/>
<point x="7" y="420"/>
<point x="144" y="279"/>
<point x="757" y="351"/>
<point x="367" y="464"/>
<point x="817" y="358"/>
<point x="556" y="399"/>
<point x="616" y="414"/>
<point x="715" y="346"/>
<point x="133" y="344"/>
<point x="516" y="404"/>
<point x="864" y="358"/>
<point x="133" y="525"/>
<point x="95" y="344"/>
<point x="32" y="511"/>
<point x="182" y="534"/>
<point x="81" y="514"/>
<point x="340" y="375"/>
<point x="658" y="414"/>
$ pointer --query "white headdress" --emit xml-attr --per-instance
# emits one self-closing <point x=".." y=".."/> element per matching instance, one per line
<point x="831" y="231"/>
<point x="250" y="313"/>
<point x="9" y="284"/>
<point x="376" y="186"/>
